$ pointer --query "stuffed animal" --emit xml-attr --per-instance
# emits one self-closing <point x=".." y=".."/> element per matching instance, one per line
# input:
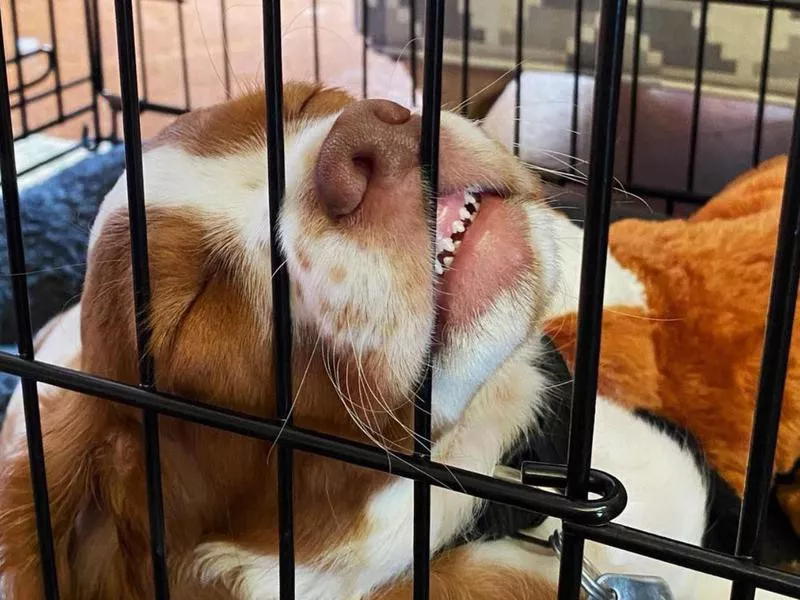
<point x="684" y="320"/>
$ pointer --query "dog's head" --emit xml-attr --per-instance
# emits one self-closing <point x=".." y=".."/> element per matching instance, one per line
<point x="369" y="299"/>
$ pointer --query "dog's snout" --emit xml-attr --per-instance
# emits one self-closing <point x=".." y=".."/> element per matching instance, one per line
<point x="372" y="144"/>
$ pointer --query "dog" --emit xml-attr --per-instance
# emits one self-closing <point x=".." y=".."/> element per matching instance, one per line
<point x="367" y="308"/>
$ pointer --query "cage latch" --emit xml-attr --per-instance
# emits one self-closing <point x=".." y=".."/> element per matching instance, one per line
<point x="616" y="586"/>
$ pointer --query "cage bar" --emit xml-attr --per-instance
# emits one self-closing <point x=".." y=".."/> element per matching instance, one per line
<point x="763" y="79"/>
<point x="51" y="18"/>
<point x="702" y="34"/>
<point x="187" y="94"/>
<point x="17" y="58"/>
<point x="30" y="394"/>
<point x="576" y="73"/>
<point x="466" y="25"/>
<point x="591" y="512"/>
<point x="518" y="40"/>
<point x="141" y="285"/>
<point x="226" y="56"/>
<point x="590" y="304"/>
<point x="774" y="361"/>
<point x="429" y="167"/>
<point x="637" y="57"/>
<point x="315" y="38"/>
<point x="412" y="48"/>
<point x="141" y="44"/>
<point x="95" y="66"/>
<point x="281" y="315"/>
<point x="364" y="46"/>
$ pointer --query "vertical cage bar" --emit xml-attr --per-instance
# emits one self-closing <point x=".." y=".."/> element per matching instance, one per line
<point x="30" y="394"/>
<point x="142" y="53"/>
<point x="51" y="17"/>
<point x="696" y="98"/>
<point x="95" y="66"/>
<point x="412" y="47"/>
<point x="429" y="166"/>
<point x="763" y="80"/>
<point x="466" y="25"/>
<point x="141" y="285"/>
<point x="637" y="50"/>
<point x="23" y="105"/>
<point x="590" y="305"/>
<point x="364" y="46"/>
<point x="576" y="73"/>
<point x="187" y="98"/>
<point x="226" y="52"/>
<point x="315" y="40"/>
<point x="281" y="315"/>
<point x="774" y="361"/>
<point x="519" y="39"/>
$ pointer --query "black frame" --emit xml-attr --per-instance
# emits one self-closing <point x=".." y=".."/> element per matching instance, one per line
<point x="583" y="518"/>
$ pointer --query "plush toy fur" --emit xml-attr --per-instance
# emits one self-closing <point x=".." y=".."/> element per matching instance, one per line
<point x="689" y="350"/>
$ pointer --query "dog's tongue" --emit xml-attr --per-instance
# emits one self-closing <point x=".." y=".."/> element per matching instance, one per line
<point x="447" y="213"/>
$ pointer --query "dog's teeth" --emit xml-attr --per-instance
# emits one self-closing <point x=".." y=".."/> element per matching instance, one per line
<point x="437" y="266"/>
<point x="448" y="245"/>
<point x="447" y="260"/>
<point x="464" y="214"/>
<point x="457" y="243"/>
<point x="458" y="226"/>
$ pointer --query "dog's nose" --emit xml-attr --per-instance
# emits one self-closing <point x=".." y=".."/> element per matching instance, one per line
<point x="372" y="144"/>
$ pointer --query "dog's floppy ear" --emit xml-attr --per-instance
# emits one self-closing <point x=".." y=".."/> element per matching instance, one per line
<point x="70" y="488"/>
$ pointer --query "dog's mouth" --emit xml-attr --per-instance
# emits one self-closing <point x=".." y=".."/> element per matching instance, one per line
<point x="482" y="248"/>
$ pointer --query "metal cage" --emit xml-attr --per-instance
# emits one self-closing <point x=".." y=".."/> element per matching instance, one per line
<point x="583" y="518"/>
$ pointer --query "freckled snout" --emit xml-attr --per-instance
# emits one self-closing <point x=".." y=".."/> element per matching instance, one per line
<point x="372" y="144"/>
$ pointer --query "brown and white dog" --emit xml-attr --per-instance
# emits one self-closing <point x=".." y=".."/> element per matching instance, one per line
<point x="366" y="309"/>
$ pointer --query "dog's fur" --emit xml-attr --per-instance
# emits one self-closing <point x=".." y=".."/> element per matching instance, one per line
<point x="364" y="314"/>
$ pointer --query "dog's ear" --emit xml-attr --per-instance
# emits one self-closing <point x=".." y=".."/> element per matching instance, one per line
<point x="66" y="435"/>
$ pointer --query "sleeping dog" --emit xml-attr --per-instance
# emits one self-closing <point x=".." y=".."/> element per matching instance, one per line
<point x="367" y="308"/>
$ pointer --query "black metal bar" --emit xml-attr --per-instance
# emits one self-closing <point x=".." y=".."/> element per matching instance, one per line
<point x="94" y="65"/>
<point x="429" y="166"/>
<point x="696" y="98"/>
<point x="466" y="26"/>
<point x="23" y="112"/>
<point x="315" y="40"/>
<point x="142" y="54"/>
<point x="763" y="80"/>
<point x="187" y="98"/>
<point x="689" y="556"/>
<point x="782" y="4"/>
<point x="774" y="361"/>
<point x="51" y="16"/>
<point x="226" y="55"/>
<point x="52" y="158"/>
<point x="588" y="512"/>
<point x="576" y="73"/>
<point x="637" y="49"/>
<point x="161" y="108"/>
<point x="51" y="92"/>
<point x="30" y="395"/>
<point x="518" y="74"/>
<point x="141" y="285"/>
<point x="47" y="125"/>
<point x="281" y="315"/>
<point x="364" y="46"/>
<point x="96" y="61"/>
<point x="590" y="304"/>
<point x="412" y="48"/>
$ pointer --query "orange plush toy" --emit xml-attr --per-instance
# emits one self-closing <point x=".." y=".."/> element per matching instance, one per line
<point x="684" y="321"/>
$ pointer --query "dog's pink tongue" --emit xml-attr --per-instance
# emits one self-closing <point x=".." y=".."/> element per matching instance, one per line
<point x="447" y="213"/>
